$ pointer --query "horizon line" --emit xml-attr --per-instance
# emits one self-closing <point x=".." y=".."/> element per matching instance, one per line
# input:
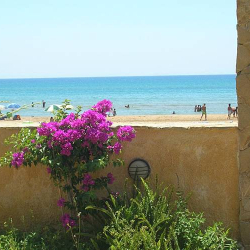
<point x="66" y="77"/>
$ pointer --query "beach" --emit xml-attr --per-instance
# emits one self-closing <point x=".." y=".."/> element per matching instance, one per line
<point x="213" y="120"/>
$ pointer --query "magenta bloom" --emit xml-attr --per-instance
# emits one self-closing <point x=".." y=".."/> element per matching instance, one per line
<point x="103" y="106"/>
<point x="33" y="141"/>
<point x="126" y="133"/>
<point x="18" y="159"/>
<point x="87" y="180"/>
<point x="92" y="128"/>
<point x="67" y="221"/>
<point x="49" y="170"/>
<point x="117" y="147"/>
<point x="111" y="178"/>
<point x="66" y="149"/>
<point x="60" y="202"/>
<point x="47" y="129"/>
<point x="25" y="150"/>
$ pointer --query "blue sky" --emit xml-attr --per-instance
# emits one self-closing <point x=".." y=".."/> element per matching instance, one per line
<point x="81" y="38"/>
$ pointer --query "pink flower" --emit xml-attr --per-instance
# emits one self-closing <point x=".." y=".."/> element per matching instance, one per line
<point x="66" y="149"/>
<point x="60" y="202"/>
<point x="103" y="106"/>
<point x="110" y="178"/>
<point x="33" y="141"/>
<point x="87" y="180"/>
<point x="126" y="133"/>
<point x="47" y="129"/>
<point x="18" y="159"/>
<point x="49" y="170"/>
<point x="67" y="221"/>
<point x="25" y="150"/>
<point x="117" y="147"/>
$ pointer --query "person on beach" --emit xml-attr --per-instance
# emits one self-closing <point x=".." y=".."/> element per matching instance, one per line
<point x="51" y="119"/>
<point x="235" y="111"/>
<point x="229" y="111"/>
<point x="195" y="108"/>
<point x="44" y="103"/>
<point x="32" y="105"/>
<point x="204" y="111"/>
<point x="114" y="112"/>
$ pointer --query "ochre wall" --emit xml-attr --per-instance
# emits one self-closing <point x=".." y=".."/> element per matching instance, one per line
<point x="243" y="92"/>
<point x="204" y="159"/>
<point x="27" y="192"/>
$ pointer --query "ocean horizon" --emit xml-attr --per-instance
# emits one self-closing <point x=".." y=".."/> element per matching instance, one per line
<point x="146" y="95"/>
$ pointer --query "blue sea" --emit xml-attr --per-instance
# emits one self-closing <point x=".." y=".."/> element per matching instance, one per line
<point x="146" y="95"/>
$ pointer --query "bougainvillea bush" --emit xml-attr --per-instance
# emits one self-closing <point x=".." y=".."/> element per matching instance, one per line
<point x="72" y="149"/>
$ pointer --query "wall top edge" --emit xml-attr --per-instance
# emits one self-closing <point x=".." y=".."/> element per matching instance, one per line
<point x="160" y="126"/>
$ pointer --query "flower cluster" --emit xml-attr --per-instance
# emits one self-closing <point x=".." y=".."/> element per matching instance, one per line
<point x="49" y="170"/>
<point x="91" y="129"/>
<point x="126" y="133"/>
<point x="18" y="159"/>
<point x="67" y="221"/>
<point x="60" y="202"/>
<point x="72" y="149"/>
<point x="103" y="106"/>
<point x="111" y="178"/>
<point x="87" y="182"/>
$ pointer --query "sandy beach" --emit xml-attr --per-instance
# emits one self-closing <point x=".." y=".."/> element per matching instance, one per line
<point x="215" y="120"/>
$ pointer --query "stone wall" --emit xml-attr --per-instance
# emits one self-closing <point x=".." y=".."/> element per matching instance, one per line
<point x="243" y="91"/>
<point x="201" y="161"/>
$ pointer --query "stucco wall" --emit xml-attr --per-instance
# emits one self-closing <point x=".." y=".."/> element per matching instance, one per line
<point x="243" y="91"/>
<point x="205" y="160"/>
<point x="27" y="192"/>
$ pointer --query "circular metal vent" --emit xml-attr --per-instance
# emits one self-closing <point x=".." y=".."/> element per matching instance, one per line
<point x="139" y="168"/>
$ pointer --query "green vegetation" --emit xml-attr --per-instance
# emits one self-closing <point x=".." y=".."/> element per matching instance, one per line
<point x="155" y="220"/>
<point x="152" y="220"/>
<point x="44" y="239"/>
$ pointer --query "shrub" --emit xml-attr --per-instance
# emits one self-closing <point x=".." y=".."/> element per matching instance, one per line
<point x="43" y="239"/>
<point x="72" y="148"/>
<point x="153" y="220"/>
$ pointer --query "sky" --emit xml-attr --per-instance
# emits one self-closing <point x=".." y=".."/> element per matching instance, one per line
<point x="93" y="38"/>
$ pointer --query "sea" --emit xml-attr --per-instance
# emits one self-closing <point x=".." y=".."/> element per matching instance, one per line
<point x="145" y="95"/>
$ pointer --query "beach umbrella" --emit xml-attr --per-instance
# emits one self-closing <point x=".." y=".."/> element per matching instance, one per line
<point x="2" y="107"/>
<point x="13" y="106"/>
<point x="52" y="108"/>
<point x="66" y="107"/>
